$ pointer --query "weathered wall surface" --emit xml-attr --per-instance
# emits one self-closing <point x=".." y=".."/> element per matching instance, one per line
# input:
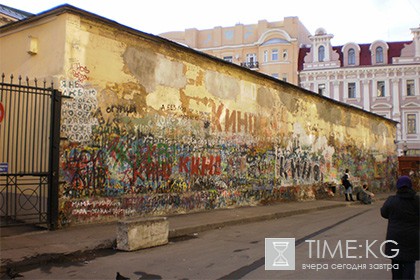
<point x="155" y="128"/>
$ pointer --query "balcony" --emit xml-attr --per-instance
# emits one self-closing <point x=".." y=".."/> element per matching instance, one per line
<point x="250" y="65"/>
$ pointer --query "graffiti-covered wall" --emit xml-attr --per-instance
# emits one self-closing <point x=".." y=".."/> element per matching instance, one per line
<point x="152" y="127"/>
<point x="155" y="128"/>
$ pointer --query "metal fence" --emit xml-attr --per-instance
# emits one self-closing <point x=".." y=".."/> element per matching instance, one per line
<point x="29" y="145"/>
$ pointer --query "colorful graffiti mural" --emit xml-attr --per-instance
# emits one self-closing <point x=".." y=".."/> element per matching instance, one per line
<point x="134" y="171"/>
<point x="199" y="139"/>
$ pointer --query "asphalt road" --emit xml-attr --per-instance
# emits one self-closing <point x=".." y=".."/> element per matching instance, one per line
<point x="343" y="243"/>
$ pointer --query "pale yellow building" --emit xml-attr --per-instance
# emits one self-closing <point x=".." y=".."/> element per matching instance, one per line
<point x="271" y="48"/>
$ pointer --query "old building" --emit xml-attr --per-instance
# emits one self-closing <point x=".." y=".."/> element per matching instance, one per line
<point x="8" y="15"/>
<point x="380" y="77"/>
<point x="149" y="126"/>
<point x="271" y="48"/>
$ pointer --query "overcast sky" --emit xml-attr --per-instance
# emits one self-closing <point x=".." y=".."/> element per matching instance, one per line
<point x="360" y="21"/>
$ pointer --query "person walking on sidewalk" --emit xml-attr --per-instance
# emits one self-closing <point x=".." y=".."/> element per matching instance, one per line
<point x="345" y="181"/>
<point x="402" y="211"/>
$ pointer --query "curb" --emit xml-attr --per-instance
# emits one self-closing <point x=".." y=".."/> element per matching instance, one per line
<point x="90" y="253"/>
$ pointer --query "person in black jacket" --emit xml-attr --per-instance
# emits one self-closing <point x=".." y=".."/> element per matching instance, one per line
<point x="345" y="181"/>
<point x="402" y="211"/>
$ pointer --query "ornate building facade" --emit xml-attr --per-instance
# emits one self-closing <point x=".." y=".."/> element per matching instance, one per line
<point x="271" y="48"/>
<point x="381" y="77"/>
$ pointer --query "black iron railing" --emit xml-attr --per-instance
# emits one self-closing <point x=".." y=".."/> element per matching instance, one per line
<point x="250" y="65"/>
<point x="29" y="146"/>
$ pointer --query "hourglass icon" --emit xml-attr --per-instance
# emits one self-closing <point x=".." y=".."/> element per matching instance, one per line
<point x="280" y="247"/>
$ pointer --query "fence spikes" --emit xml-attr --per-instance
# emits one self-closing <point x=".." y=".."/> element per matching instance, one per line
<point x="22" y="80"/>
<point x="45" y="84"/>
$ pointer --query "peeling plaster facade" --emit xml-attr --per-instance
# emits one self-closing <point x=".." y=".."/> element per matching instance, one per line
<point x="153" y="127"/>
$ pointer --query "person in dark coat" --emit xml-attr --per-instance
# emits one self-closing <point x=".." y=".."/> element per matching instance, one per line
<point x="345" y="181"/>
<point x="402" y="211"/>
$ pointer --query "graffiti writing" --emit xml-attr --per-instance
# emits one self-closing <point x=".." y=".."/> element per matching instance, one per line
<point x="120" y="109"/>
<point x="78" y="112"/>
<point x="236" y="121"/>
<point x="203" y="166"/>
<point x="79" y="72"/>
<point x="85" y="173"/>
<point x="298" y="165"/>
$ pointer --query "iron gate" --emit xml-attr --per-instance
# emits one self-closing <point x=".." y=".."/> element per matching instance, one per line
<point x="29" y="153"/>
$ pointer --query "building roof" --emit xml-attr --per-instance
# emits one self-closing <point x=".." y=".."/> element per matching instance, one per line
<point x="14" y="13"/>
<point x="365" y="53"/>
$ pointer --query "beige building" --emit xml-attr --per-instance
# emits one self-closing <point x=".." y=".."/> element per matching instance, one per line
<point x="271" y="48"/>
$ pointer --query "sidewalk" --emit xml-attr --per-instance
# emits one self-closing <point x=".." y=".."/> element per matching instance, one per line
<point x="45" y="246"/>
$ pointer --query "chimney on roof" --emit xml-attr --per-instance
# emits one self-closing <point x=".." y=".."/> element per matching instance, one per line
<point x="416" y="39"/>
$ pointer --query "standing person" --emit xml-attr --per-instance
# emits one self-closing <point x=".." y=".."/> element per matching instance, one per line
<point x="345" y="181"/>
<point x="402" y="211"/>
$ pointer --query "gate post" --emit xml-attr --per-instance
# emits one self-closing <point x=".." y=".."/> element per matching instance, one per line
<point x="54" y="159"/>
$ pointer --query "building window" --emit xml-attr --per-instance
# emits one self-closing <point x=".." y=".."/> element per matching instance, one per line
<point x="265" y="56"/>
<point x="351" y="57"/>
<point x="321" y="53"/>
<point x="379" y="55"/>
<point x="410" y="88"/>
<point x="275" y="54"/>
<point x="228" y="58"/>
<point x="411" y="124"/>
<point x="380" y="89"/>
<point x="351" y="89"/>
<point x="321" y="89"/>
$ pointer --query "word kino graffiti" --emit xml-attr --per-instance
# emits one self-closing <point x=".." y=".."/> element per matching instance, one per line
<point x="156" y="170"/>
<point x="237" y="121"/>
<point x="201" y="165"/>
<point x="298" y="169"/>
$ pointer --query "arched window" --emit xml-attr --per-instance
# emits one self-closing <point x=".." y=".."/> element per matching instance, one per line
<point x="351" y="57"/>
<point x="321" y="53"/>
<point x="379" y="55"/>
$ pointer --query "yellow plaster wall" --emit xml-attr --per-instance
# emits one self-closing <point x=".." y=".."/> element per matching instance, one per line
<point x="153" y="127"/>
